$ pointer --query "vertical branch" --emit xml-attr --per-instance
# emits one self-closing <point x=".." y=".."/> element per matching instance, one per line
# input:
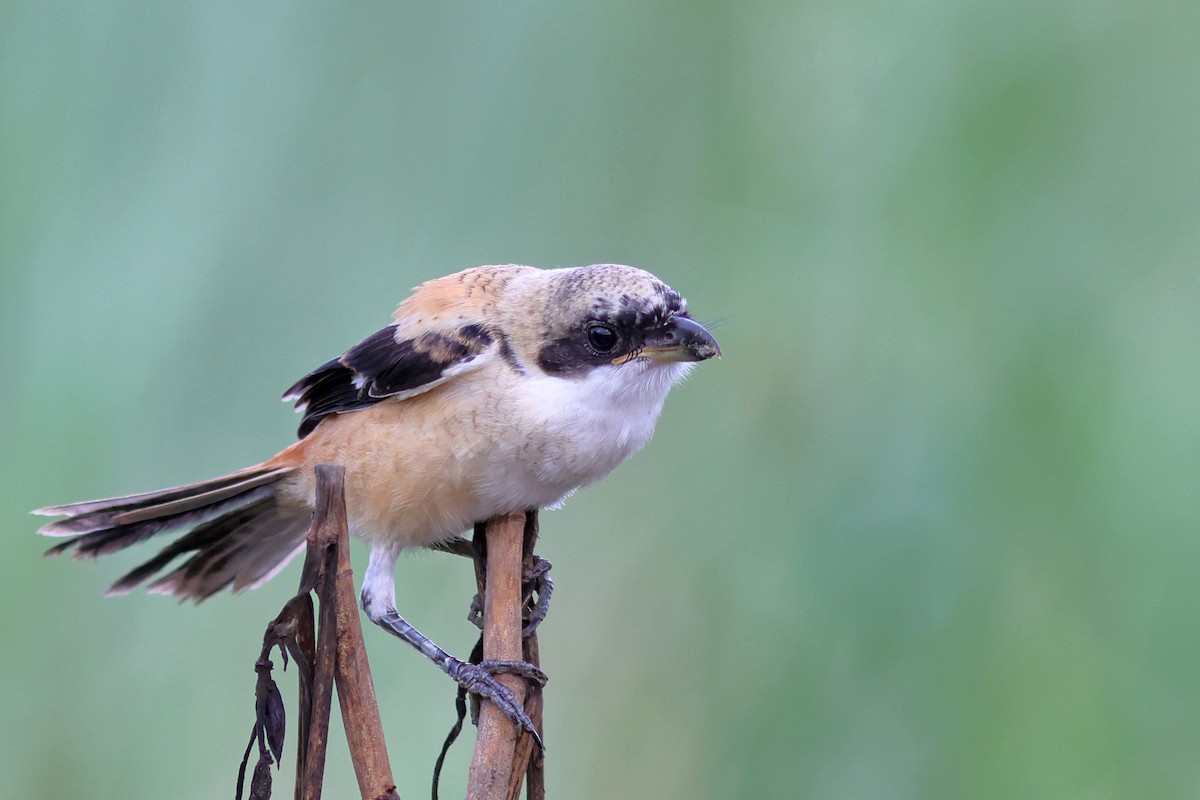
<point x="337" y="655"/>
<point x="355" y="688"/>
<point x="527" y="760"/>
<point x="314" y="732"/>
<point x="496" y="741"/>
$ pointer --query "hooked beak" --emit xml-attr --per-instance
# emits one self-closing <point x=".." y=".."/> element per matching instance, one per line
<point x="683" y="339"/>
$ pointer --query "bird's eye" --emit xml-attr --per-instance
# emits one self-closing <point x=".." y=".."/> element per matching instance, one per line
<point x="602" y="338"/>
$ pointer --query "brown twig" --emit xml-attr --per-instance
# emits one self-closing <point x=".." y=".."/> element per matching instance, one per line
<point x="337" y="654"/>
<point x="313" y="736"/>
<point x="341" y="635"/>
<point x="355" y="687"/>
<point x="527" y="759"/>
<point x="320" y="561"/>
<point x="490" y="774"/>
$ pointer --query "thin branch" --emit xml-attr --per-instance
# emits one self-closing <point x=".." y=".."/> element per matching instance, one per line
<point x="355" y="687"/>
<point x="336" y="654"/>
<point x="495" y="744"/>
<point x="527" y="759"/>
<point x="323" y="543"/>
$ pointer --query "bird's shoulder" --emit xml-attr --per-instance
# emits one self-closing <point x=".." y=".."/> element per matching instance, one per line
<point x="443" y="303"/>
<point x="445" y="328"/>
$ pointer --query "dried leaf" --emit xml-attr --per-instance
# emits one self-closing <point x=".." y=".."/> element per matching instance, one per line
<point x="274" y="719"/>
<point x="260" y="784"/>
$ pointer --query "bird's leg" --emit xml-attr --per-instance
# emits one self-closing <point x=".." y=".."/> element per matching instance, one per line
<point x="535" y="582"/>
<point x="379" y="602"/>
<point x="475" y="678"/>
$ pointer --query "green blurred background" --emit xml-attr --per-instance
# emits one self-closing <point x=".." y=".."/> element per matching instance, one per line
<point x="929" y="529"/>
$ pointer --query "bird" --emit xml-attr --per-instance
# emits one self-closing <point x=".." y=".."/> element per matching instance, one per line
<point x="494" y="390"/>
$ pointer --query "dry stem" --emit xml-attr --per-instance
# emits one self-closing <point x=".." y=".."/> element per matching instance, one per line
<point x="492" y="765"/>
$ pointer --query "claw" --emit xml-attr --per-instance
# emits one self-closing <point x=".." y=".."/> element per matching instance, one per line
<point x="536" y="581"/>
<point x="479" y="679"/>
<point x="522" y="668"/>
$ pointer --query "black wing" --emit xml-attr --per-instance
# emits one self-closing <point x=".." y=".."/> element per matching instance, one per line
<point x="385" y="365"/>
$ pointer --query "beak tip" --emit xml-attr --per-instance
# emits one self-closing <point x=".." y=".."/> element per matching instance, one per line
<point x="687" y="341"/>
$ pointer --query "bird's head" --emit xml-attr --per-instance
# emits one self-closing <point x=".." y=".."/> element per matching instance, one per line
<point x="607" y="318"/>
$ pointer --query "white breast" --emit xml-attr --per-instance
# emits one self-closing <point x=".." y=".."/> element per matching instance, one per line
<point x="567" y="433"/>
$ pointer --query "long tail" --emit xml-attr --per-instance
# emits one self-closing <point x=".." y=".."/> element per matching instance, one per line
<point x="238" y="533"/>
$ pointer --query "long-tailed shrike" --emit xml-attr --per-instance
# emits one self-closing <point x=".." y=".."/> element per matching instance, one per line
<point x="494" y="390"/>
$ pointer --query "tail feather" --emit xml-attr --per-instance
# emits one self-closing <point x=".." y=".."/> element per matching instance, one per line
<point x="243" y="560"/>
<point x="196" y="501"/>
<point x="174" y="503"/>
<point x="114" y="505"/>
<point x="240" y="535"/>
<point x="202" y="536"/>
<point x="103" y="541"/>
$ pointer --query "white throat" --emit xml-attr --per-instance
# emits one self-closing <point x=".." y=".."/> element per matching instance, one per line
<point x="577" y="430"/>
